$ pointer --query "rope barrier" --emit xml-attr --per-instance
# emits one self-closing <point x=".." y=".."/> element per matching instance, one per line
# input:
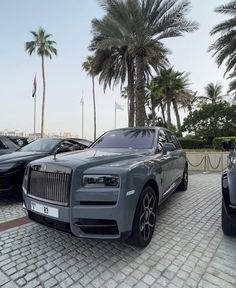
<point x="218" y="165"/>
<point x="204" y="158"/>
<point x="208" y="163"/>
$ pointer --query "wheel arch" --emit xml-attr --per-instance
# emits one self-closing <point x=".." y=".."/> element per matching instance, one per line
<point x="152" y="183"/>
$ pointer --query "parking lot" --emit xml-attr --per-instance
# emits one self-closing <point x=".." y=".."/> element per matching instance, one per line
<point x="188" y="249"/>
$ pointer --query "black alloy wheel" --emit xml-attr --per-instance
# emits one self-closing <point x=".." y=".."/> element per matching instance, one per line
<point x="145" y="218"/>
<point x="183" y="186"/>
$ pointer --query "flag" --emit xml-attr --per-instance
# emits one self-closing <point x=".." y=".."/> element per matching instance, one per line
<point x="34" y="87"/>
<point x="82" y="100"/>
<point x="119" y="107"/>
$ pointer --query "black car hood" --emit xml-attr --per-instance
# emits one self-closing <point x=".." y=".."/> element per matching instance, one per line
<point x="21" y="156"/>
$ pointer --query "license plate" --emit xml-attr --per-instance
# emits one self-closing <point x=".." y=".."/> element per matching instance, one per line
<point x="45" y="210"/>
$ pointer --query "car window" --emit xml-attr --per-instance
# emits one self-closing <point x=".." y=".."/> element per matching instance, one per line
<point x="2" y="146"/>
<point x="162" y="139"/>
<point x="72" y="145"/>
<point x="127" y="138"/>
<point x="41" y="145"/>
<point x="176" y="142"/>
<point x="173" y="139"/>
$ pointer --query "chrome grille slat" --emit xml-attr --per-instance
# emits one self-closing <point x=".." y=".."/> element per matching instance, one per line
<point x="52" y="186"/>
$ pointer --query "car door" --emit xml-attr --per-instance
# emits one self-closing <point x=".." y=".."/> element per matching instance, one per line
<point x="165" y="162"/>
<point x="175" y="156"/>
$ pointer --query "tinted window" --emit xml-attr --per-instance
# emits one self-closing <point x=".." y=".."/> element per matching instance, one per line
<point x="173" y="139"/>
<point x="135" y="138"/>
<point x="162" y="139"/>
<point x="2" y="146"/>
<point x="41" y="145"/>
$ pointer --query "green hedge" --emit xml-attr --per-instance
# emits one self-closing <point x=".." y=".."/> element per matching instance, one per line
<point x="193" y="143"/>
<point x="216" y="143"/>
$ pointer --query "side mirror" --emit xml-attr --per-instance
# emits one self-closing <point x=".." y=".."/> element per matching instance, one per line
<point x="168" y="147"/>
<point x="227" y="144"/>
<point x="63" y="149"/>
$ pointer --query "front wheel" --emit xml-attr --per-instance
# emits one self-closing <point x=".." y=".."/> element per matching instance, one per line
<point x="227" y="227"/>
<point x="183" y="186"/>
<point x="145" y="218"/>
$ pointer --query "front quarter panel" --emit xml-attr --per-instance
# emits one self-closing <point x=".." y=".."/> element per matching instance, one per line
<point x="229" y="185"/>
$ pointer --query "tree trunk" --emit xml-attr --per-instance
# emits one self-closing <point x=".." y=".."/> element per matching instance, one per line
<point x="153" y="111"/>
<point x="43" y="101"/>
<point x="179" y="133"/>
<point x="94" y="110"/>
<point x="130" y="90"/>
<point x="163" y="113"/>
<point x="140" y="92"/>
<point x="168" y="102"/>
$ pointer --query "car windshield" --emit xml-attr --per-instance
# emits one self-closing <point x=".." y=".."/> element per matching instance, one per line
<point x="40" y="145"/>
<point x="131" y="138"/>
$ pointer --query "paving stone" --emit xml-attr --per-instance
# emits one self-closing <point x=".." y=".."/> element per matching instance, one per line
<point x="188" y="249"/>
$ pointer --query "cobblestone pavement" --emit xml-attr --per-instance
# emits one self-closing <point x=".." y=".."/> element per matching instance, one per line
<point x="10" y="208"/>
<point x="188" y="250"/>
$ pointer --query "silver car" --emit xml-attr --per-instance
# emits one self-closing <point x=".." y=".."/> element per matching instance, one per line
<point x="111" y="190"/>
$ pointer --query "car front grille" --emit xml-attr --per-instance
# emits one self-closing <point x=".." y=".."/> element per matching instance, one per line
<point x="49" y="185"/>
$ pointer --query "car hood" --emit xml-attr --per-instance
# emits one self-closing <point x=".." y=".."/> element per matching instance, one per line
<point x="94" y="157"/>
<point x="21" y="157"/>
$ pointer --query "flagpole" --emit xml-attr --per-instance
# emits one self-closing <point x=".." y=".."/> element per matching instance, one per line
<point x="115" y="114"/>
<point x="35" y="116"/>
<point x="82" y="113"/>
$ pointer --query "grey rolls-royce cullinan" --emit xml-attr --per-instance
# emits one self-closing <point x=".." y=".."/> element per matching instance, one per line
<point x="111" y="190"/>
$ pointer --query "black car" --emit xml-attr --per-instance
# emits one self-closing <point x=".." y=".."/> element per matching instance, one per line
<point x="19" y="140"/>
<point x="7" y="146"/>
<point x="12" y="166"/>
<point x="229" y="192"/>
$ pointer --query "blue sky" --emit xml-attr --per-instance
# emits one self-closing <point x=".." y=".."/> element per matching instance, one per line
<point x="70" y="24"/>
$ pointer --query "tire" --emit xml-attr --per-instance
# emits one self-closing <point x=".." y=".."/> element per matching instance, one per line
<point x="144" y="219"/>
<point x="227" y="227"/>
<point x="183" y="186"/>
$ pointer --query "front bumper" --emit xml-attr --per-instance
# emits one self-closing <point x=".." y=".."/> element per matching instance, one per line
<point x="109" y="218"/>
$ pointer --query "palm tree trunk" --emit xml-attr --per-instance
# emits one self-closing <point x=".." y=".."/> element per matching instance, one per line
<point x="130" y="90"/>
<point x="163" y="113"/>
<point x="168" y="102"/>
<point x="153" y="111"/>
<point x="140" y="93"/>
<point x="179" y="133"/>
<point x="43" y="102"/>
<point x="94" y="110"/>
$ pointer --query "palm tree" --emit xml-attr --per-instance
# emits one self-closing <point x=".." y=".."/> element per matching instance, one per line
<point x="115" y="65"/>
<point x="154" y="99"/>
<point x="213" y="93"/>
<point x="190" y="101"/>
<point x="232" y="85"/>
<point x="88" y="67"/>
<point x="44" y="47"/>
<point x="173" y="90"/>
<point x="224" y="46"/>
<point x="140" y="25"/>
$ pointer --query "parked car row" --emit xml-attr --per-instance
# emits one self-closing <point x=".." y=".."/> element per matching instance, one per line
<point x="112" y="189"/>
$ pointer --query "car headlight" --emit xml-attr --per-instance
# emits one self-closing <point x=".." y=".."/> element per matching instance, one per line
<point x="97" y="181"/>
<point x="6" y="166"/>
